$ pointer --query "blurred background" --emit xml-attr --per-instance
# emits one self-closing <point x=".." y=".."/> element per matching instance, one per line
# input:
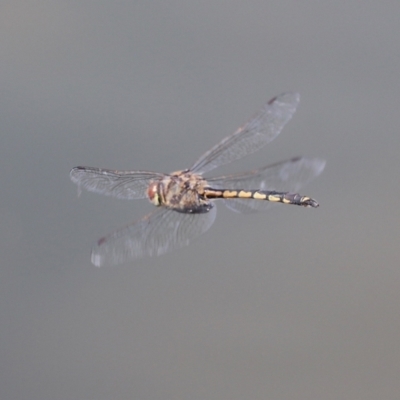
<point x="288" y="304"/>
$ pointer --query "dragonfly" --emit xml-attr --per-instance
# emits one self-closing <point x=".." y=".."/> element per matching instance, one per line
<point x="185" y="200"/>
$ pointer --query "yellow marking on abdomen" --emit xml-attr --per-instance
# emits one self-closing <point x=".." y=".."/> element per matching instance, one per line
<point x="274" y="199"/>
<point x="213" y="194"/>
<point x="259" y="196"/>
<point x="244" y="194"/>
<point x="228" y="194"/>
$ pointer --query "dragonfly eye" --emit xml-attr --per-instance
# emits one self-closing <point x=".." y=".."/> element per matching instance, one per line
<point x="153" y="195"/>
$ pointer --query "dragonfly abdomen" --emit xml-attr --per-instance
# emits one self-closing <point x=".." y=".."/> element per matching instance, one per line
<point x="273" y="196"/>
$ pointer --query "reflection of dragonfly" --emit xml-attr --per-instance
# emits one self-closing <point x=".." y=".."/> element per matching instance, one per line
<point x="186" y="198"/>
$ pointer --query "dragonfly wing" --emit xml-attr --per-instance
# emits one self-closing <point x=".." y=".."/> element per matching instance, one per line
<point x="157" y="233"/>
<point x="288" y="176"/>
<point x="257" y="132"/>
<point x="121" y="184"/>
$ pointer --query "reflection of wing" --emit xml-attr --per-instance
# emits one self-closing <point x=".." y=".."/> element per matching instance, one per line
<point x="121" y="184"/>
<point x="257" y="132"/>
<point x="284" y="176"/>
<point x="155" y="234"/>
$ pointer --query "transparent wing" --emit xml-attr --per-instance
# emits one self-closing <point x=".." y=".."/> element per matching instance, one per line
<point x="157" y="233"/>
<point x="121" y="184"/>
<point x="288" y="176"/>
<point x="257" y="132"/>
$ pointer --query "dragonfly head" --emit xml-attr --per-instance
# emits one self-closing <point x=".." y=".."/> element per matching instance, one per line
<point x="153" y="193"/>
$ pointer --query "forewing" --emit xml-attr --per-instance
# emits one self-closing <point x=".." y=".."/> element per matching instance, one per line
<point x="121" y="184"/>
<point x="257" y="132"/>
<point x="287" y="176"/>
<point x="157" y="233"/>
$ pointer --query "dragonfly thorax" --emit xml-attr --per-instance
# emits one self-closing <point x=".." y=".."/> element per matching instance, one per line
<point x="182" y="191"/>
